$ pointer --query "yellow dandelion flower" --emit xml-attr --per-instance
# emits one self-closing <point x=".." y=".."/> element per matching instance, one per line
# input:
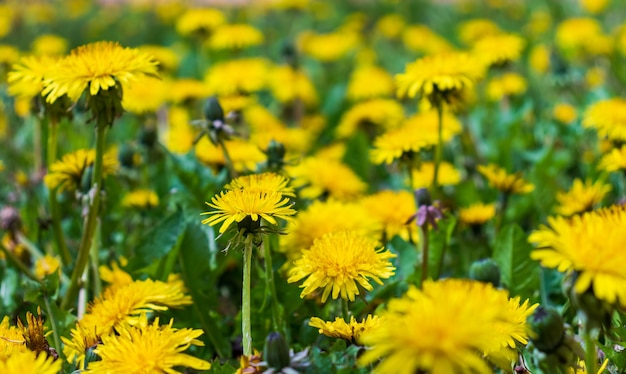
<point x="166" y="57"/>
<point x="447" y="326"/>
<point x="368" y="82"/>
<point x="325" y="217"/>
<point x="8" y="54"/>
<point x="391" y="26"/>
<point x="393" y="209"/>
<point x="47" y="265"/>
<point x="328" y="47"/>
<point x="499" y="49"/>
<point x="539" y="23"/>
<point x="417" y="133"/>
<point x="236" y="103"/>
<point x="235" y="36"/>
<point x="146" y="94"/>
<point x="67" y="173"/>
<point x="539" y="58"/>
<point x="614" y="160"/>
<point x="26" y="78"/>
<point x="182" y="90"/>
<point x="265" y="127"/>
<point x="118" y="306"/>
<point x="420" y="38"/>
<point x="199" y="21"/>
<point x="341" y="329"/>
<point x="564" y="113"/>
<point x="475" y="29"/>
<point x="578" y="37"/>
<point x="179" y="136"/>
<point x="477" y="214"/>
<point x="114" y="276"/>
<point x="502" y="181"/>
<point x="423" y="176"/>
<point x="148" y="348"/>
<point x="508" y="84"/>
<point x="288" y="85"/>
<point x="590" y="244"/>
<point x="96" y="66"/>
<point x="608" y="117"/>
<point x="318" y="177"/>
<point x="49" y="44"/>
<point x="581" y="197"/>
<point x="11" y="341"/>
<point x="594" y="6"/>
<point x="439" y="76"/>
<point x="28" y="362"/>
<point x="264" y="183"/>
<point x="238" y="76"/>
<point x="140" y="199"/>
<point x="244" y="155"/>
<point x="340" y="262"/>
<point x="235" y="206"/>
<point x="595" y="77"/>
<point x="7" y="15"/>
<point x="371" y="116"/>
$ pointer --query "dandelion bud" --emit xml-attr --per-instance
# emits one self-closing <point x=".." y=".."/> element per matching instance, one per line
<point x="213" y="110"/>
<point x="275" y="155"/>
<point x="485" y="270"/>
<point x="422" y="197"/>
<point x="547" y="325"/>
<point x="276" y="351"/>
<point x="148" y="136"/>
<point x="126" y="156"/>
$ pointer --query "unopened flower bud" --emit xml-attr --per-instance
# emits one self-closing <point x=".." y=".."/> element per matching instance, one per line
<point x="275" y="155"/>
<point x="213" y="110"/>
<point x="485" y="270"/>
<point x="422" y="197"/>
<point x="126" y="156"/>
<point x="547" y="325"/>
<point x="276" y="351"/>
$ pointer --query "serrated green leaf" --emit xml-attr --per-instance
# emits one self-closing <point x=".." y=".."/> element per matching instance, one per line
<point x="519" y="273"/>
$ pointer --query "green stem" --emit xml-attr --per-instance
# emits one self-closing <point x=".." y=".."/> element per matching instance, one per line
<point x="246" y="329"/>
<point x="90" y="220"/>
<point x="229" y="162"/>
<point x="38" y="152"/>
<point x="269" y="276"/>
<point x="55" y="327"/>
<point x="591" y="356"/>
<point x="18" y="263"/>
<point x="424" y="244"/>
<point x="344" y="310"/>
<point x="55" y="211"/>
<point x="438" y="151"/>
<point x="30" y="246"/>
<point x="95" y="261"/>
<point x="504" y="203"/>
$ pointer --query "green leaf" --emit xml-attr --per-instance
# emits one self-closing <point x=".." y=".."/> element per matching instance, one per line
<point x="520" y="274"/>
<point x="158" y="241"/>
<point x="357" y="155"/>
<point x="439" y="244"/>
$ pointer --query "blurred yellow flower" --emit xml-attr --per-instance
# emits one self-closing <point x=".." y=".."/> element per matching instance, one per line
<point x="350" y="331"/>
<point x="26" y="78"/>
<point x="581" y="197"/>
<point x="289" y="85"/>
<point x="7" y="15"/>
<point x="328" y="47"/>
<point x="180" y="134"/>
<point x="114" y="275"/>
<point x="613" y="161"/>
<point x="184" y="90"/>
<point x="339" y="263"/>
<point x="564" y="113"/>
<point x="262" y="183"/>
<point x="420" y="38"/>
<point x="49" y="44"/>
<point x="28" y="362"/>
<point x="200" y="21"/>
<point x="368" y="82"/>
<point x="67" y="173"/>
<point x="504" y="182"/>
<point x="146" y="94"/>
<point x="508" y="84"/>
<point x="499" y="49"/>
<point x="391" y="25"/>
<point x="240" y="76"/>
<point x="235" y="37"/>
<point x="423" y="176"/>
<point x="539" y="58"/>
<point x="580" y="37"/>
<point x="595" y="77"/>
<point x="371" y="116"/>
<point x="47" y="265"/>
<point x="140" y="199"/>
<point x="393" y="209"/>
<point x="608" y="117"/>
<point x="594" y="6"/>
<point x="317" y="177"/>
<point x="475" y="29"/>
<point x="166" y="57"/>
<point x="539" y="23"/>
<point x="8" y="54"/>
<point x="244" y="154"/>
<point x="477" y="214"/>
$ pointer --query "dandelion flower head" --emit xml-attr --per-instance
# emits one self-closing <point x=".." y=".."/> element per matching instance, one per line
<point x="391" y="25"/>
<point x="579" y="37"/>
<point x="564" y="113"/>
<point x="613" y="161"/>
<point x="420" y="38"/>
<point x="393" y="209"/>
<point x="369" y="81"/>
<point x="288" y="85"/>
<point x="581" y="197"/>
<point x="350" y="331"/>
<point x="201" y="21"/>
<point x="424" y="175"/>
<point x="46" y="265"/>
<point x="140" y="199"/>
<point x="608" y="117"/>
<point x="242" y="76"/>
<point x="371" y="116"/>
<point x="316" y="177"/>
<point x="244" y="155"/>
<point x="502" y="181"/>
<point x="26" y="78"/>
<point x="477" y="214"/>
<point x="475" y="29"/>
<point x="144" y="95"/>
<point x="28" y="362"/>
<point x="167" y="58"/>
<point x="509" y="84"/>
<point x="184" y="90"/>
<point x="499" y="49"/>
<point x="67" y="173"/>
<point x="328" y="47"/>
<point x="339" y="263"/>
<point x="263" y="183"/>
<point x="235" y="37"/>
<point x="49" y="45"/>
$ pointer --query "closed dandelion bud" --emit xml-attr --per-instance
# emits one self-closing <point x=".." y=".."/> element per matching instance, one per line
<point x="148" y="136"/>
<point x="213" y="110"/>
<point x="547" y="325"/>
<point x="275" y="155"/>
<point x="597" y="311"/>
<point x="422" y="197"/>
<point x="91" y="356"/>
<point x="276" y="351"/>
<point x="126" y="156"/>
<point x="85" y="182"/>
<point x="485" y="270"/>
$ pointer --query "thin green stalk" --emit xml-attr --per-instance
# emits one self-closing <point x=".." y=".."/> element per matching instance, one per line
<point x="37" y="146"/>
<point x="424" y="244"/>
<point x="55" y="327"/>
<point x="246" y="329"/>
<point x="229" y="162"/>
<point x="269" y="276"/>
<point x="55" y="211"/>
<point x="504" y="203"/>
<point x="591" y="356"/>
<point x="344" y="310"/>
<point x="95" y="261"/>
<point x="20" y="265"/>
<point x="90" y="220"/>
<point x="30" y="246"/>
<point x="438" y="150"/>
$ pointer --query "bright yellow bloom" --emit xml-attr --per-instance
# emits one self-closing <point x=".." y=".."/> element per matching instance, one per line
<point x="581" y="197"/>
<point x="501" y="180"/>
<point x="614" y="161"/>
<point x="424" y="175"/>
<point x="11" y="341"/>
<point x="539" y="23"/>
<point x="199" y="21"/>
<point x="8" y="54"/>
<point x="147" y="348"/>
<point x="422" y="39"/>
<point x="608" y="117"/>
<point x="393" y="209"/>
<point x="499" y="49"/>
<point x="27" y="362"/>
<point x="508" y="84"/>
<point x="96" y="66"/>
<point x="26" y="78"/>
<point x="235" y="36"/>
<point x="182" y="90"/>
<point x="564" y="113"/>
<point x="318" y="177"/>
<point x="582" y="369"/>
<point x="325" y="217"/>
<point x="446" y="327"/>
<point x="7" y="15"/>
<point x="594" y="6"/>
<point x="244" y="155"/>
<point x="341" y="329"/>
<point x="234" y="206"/>
<point x="391" y="25"/>
<point x="477" y="214"/>
<point x="49" y="45"/>
<point x="595" y="77"/>
<point x="263" y="183"/>
<point x="46" y="265"/>
<point x="265" y="127"/>
<point x="146" y="94"/>
<point x="579" y="37"/>
<point x="328" y="47"/>
<point x="167" y="58"/>
<point x="115" y="276"/>
<point x="368" y="82"/>
<point x="475" y="29"/>
<point x="539" y="58"/>
<point x="591" y="244"/>
<point x="241" y="76"/>
<point x="288" y="85"/>
<point x="179" y="136"/>
<point x="340" y="262"/>
<point x="140" y="199"/>
<point x="67" y="173"/>
<point x="371" y="116"/>
<point x="442" y="75"/>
